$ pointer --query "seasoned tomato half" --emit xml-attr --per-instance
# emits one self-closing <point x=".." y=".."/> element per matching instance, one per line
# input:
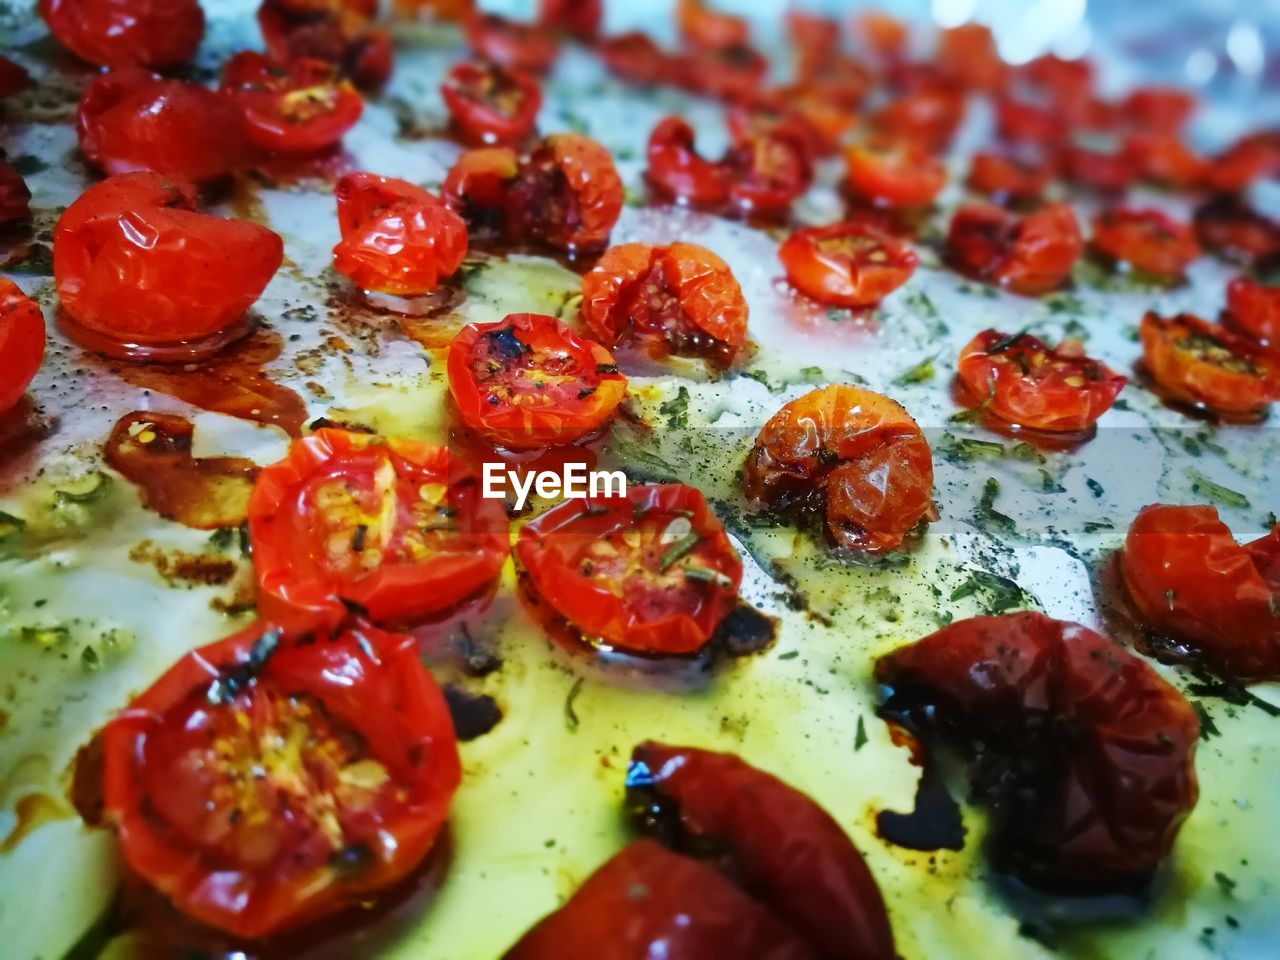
<point x="267" y="780"/>
<point x="846" y="264"/>
<point x="517" y="46"/>
<point x="566" y="195"/>
<point x="899" y="174"/>
<point x="490" y="104"/>
<point x="297" y="108"/>
<point x="1147" y="240"/>
<point x="115" y="33"/>
<point x="477" y="184"/>
<point x="1254" y="310"/>
<point x="652" y="572"/>
<point x="22" y="341"/>
<point x="1206" y="365"/>
<point x="676" y="169"/>
<point x="1030" y="255"/>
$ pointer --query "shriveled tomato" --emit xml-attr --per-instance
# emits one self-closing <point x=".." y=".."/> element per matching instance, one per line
<point x="682" y="297"/>
<point x="1029" y="255"/>
<point x="528" y="381"/>
<point x="477" y="184"/>
<point x="894" y="175"/>
<point x="116" y="33"/>
<point x="634" y="57"/>
<point x="1207" y="365"/>
<point x="296" y="108"/>
<point x="852" y="454"/>
<point x="1005" y="177"/>
<point x="567" y="195"/>
<point x="15" y="197"/>
<point x="1085" y="755"/>
<point x="14" y="78"/>
<point x="490" y="104"/>
<point x="578" y="18"/>
<point x="927" y="116"/>
<point x="396" y="237"/>
<point x="130" y="119"/>
<point x="767" y="172"/>
<point x="1164" y="158"/>
<point x="395" y="528"/>
<point x="1254" y="310"/>
<point x="1231" y="228"/>
<point x="846" y="264"/>
<point x="1147" y="240"/>
<point x="1024" y="382"/>
<point x="678" y="171"/>
<point x="651" y="572"/>
<point x="967" y="54"/>
<point x="1162" y="109"/>
<point x="136" y="267"/>
<point x="22" y="341"/>
<point x="267" y="780"/>
<point x="814" y="113"/>
<point x="517" y="46"/>
<point x="1106" y="170"/>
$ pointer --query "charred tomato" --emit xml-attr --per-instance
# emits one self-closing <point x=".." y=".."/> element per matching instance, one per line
<point x="567" y="195"/>
<point x="1030" y="255"/>
<point x="846" y="264"/>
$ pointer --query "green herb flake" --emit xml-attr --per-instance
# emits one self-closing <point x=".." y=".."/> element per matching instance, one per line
<point x="1216" y="491"/>
<point x="986" y="513"/>
<point x="676" y="410"/>
<point x="922" y="372"/>
<point x="678" y="550"/>
<point x="860" y="736"/>
<point x="571" y="719"/>
<point x="1208" y="729"/>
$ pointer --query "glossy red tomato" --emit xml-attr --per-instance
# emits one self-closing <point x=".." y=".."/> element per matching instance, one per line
<point x="517" y="46"/>
<point x="678" y="171"/>
<point x="1147" y="240"/>
<point x="396" y="237"/>
<point x="1254" y="310"/>
<point x="894" y="175"/>
<point x="1003" y="177"/>
<point x="927" y="116"/>
<point x="634" y="57"/>
<point x="767" y="172"/>
<point x="1024" y="382"/>
<point x="703" y="28"/>
<point x="578" y="18"/>
<point x="130" y="119"/>
<point x="856" y="455"/>
<point x="1162" y="109"/>
<point x="15" y="198"/>
<point x="1231" y="228"/>
<point x="490" y="104"/>
<point x="116" y="33"/>
<point x="566" y="195"/>
<point x="297" y="108"/>
<point x="1109" y="171"/>
<point x="267" y="780"/>
<point x="477" y="184"/>
<point x="14" y="78"/>
<point x="846" y="264"/>
<point x="395" y="528"/>
<point x="529" y="381"/>
<point x="1207" y="365"/>
<point x="1031" y="255"/>
<point x="336" y="31"/>
<point x="1164" y="158"/>
<point x="22" y="341"/>
<point x="1095" y="751"/>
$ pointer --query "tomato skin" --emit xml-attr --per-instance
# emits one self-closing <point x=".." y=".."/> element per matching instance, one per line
<point x="1096" y="749"/>
<point x="567" y="195"/>
<point x="542" y="417"/>
<point x="1207" y="365"/>
<point x="367" y="681"/>
<point x="650" y="610"/>
<point x="396" y="237"/>
<point x="856" y="453"/>
<point x="15" y="197"/>
<point x="1002" y="177"/>
<point x="1231" y="228"/>
<point x="1029" y="256"/>
<point x="516" y="46"/>
<point x="846" y="264"/>
<point x="22" y="342"/>
<point x="489" y="104"/>
<point x="265" y="92"/>
<point x="578" y="18"/>
<point x="896" y="175"/>
<point x="477" y="184"/>
<point x="767" y="172"/>
<point x="1147" y="240"/>
<point x="677" y="170"/>
<point x="1254" y="310"/>
<point x="118" y="33"/>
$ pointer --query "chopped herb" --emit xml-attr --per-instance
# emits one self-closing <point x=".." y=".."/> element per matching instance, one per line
<point x="922" y="372"/>
<point x="28" y="164"/>
<point x="234" y="679"/>
<point x="1048" y="483"/>
<point x="1208" y="728"/>
<point x="358" y="538"/>
<point x="789" y="655"/>
<point x="1001" y="593"/>
<point x="969" y="448"/>
<point x="681" y="548"/>
<point x="570" y="714"/>
<point x="676" y="410"/>
<point x="1093" y="526"/>
<point x="10" y="526"/>
<point x="759" y="376"/>
<point x="706" y="575"/>
<point x="223" y="538"/>
<point x="1225" y="883"/>
<point x="812" y="374"/>
<point x="1094" y="486"/>
<point x="89" y="659"/>
<point x="47" y="637"/>
<point x="1025" y="451"/>
<point x="84" y="490"/>
<point x="606" y="368"/>
<point x="1216" y="492"/>
<point x="860" y="736"/>
<point x="986" y="513"/>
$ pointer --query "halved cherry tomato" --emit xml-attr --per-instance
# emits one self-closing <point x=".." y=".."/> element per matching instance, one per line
<point x="815" y="42"/>
<point x="14" y="78"/>
<point x="967" y="54"/>
<point x="1165" y="159"/>
<point x="1024" y="382"/>
<point x="298" y="108"/>
<point x="813" y="112"/>
<point x="528" y="381"/>
<point x="767" y="172"/>
<point x="1147" y="240"/>
<point x="525" y="47"/>
<point x="477" y="184"/>
<point x="652" y="572"/>
<point x="726" y="73"/>
<point x="1252" y="157"/>
<point x="1005" y="177"/>
<point x="130" y="119"/>
<point x="1231" y="228"/>
<point x="135" y="265"/>
<point x="677" y="170"/>
<point x="1086" y="756"/>
<point x="1031" y="255"/>
<point x="567" y="195"/>
<point x="1207" y="365"/>
<point x="490" y="104"/>
<point x="267" y="780"/>
<point x="396" y="237"/>
<point x="846" y="264"/>
<point x="336" y="31"/>
<point x="1254" y="310"/>
<point x="578" y="18"/>
<point x="851" y="453"/>
<point x="1028" y="121"/>
<point x="880" y="33"/>
<point x="637" y="59"/>
<point x="117" y="33"/>
<point x="1162" y="109"/>
<point x="927" y="116"/>
<point x="15" y="197"/>
<point x="894" y="175"/>
<point x="682" y="296"/>
<point x="705" y="29"/>
<point x="22" y="342"/>
<point x="396" y="528"/>
<point x="1109" y="171"/>
<point x="1068" y="83"/>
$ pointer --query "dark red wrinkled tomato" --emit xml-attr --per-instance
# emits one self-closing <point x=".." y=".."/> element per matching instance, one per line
<point x="634" y="57"/>
<point x="15" y="198"/>
<point x="678" y="171"/>
<point x="340" y="32"/>
<point x="267" y="780"/>
<point x="510" y="44"/>
<point x="116" y="33"/>
<point x="846" y="264"/>
<point x="1147" y="240"/>
<point x="489" y="104"/>
<point x="567" y="195"/>
<point x="14" y="78"/>
<point x="22" y="342"/>
<point x="1231" y="228"/>
<point x="1254" y="310"/>
<point x="1031" y="255"/>
<point x="297" y="108"/>
<point x="1203" y="364"/>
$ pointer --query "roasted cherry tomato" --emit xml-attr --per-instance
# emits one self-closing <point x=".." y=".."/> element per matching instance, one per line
<point x="705" y="29"/>
<point x="1024" y="382"/>
<point x="1002" y="177"/>
<point x="726" y="73"/>
<point x="1254" y="310"/>
<point x="637" y="59"/>
<point x="1031" y="255"/>
<point x="880" y="33"/>
<point x="1190" y="580"/>
<point x="529" y="381"/>
<point x="14" y="78"/>
<point x="578" y="18"/>
<point x="927" y="117"/>
<point x="1028" y="121"/>
<point x="815" y="113"/>
<point x="1163" y="158"/>
<point x="652" y="572"/>
<point x="1250" y="158"/>
<point x="1067" y="83"/>
<point x="116" y="33"/>
<point x="490" y="104"/>
<point x="130" y="119"/>
<point x="1084" y="753"/>
<point x="815" y="43"/>
<point x="22" y="341"/>
<point x="855" y="455"/>
<point x="846" y="264"/>
<point x="767" y="172"/>
<point x="894" y="175"/>
<point x="1207" y="365"/>
<point x="678" y="171"/>
<point x="508" y="43"/>
<point x="336" y="31"/>
<point x="392" y="527"/>
<point x="967" y="54"/>
<point x="1147" y="240"/>
<point x="1231" y="228"/>
<point x="298" y="108"/>
<point x="1108" y="171"/>
<point x="566" y="195"/>
<point x="477" y="184"/>
<point x="136" y="266"/>
<point x="1162" y="109"/>
<point x="267" y="780"/>
<point x="15" y="197"/>
<point x="683" y="297"/>
<point x="396" y="237"/>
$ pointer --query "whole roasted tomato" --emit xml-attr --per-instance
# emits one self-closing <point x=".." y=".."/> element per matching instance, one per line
<point x="297" y="108"/>
<point x="268" y="779"/>
<point x="508" y="43"/>
<point x="566" y="195"/>
<point x="1083" y="752"/>
<point x="22" y="341"/>
<point x="768" y="171"/>
<point x="1029" y="255"/>
<point x="846" y="264"/>
<point x="529" y="381"/>
<point x="1206" y="365"/>
<point x="651" y="572"/>
<point x="676" y="169"/>
<point x="15" y="197"/>
<point x="899" y="174"/>
<point x="1147" y="240"/>
<point x="578" y="18"/>
<point x="490" y="104"/>
<point x="856" y="456"/>
<point x="117" y="33"/>
<point x="396" y="237"/>
<point x="1254" y="310"/>
<point x="1003" y="177"/>
<point x="392" y="527"/>
<point x="1231" y="228"/>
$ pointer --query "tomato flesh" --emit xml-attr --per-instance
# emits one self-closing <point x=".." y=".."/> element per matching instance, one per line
<point x="1206" y="365"/>
<point x="567" y="195"/>
<point x="846" y="264"/>
<point x="22" y="342"/>
<point x="116" y="33"/>
<point x="1031" y="255"/>
<point x="297" y="108"/>
<point x="1147" y="240"/>
<point x="489" y="104"/>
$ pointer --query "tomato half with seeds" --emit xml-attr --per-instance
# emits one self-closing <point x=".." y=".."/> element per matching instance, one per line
<point x="394" y="528"/>
<point x="22" y="342"/>
<point x="490" y="104"/>
<point x="1206" y="365"/>
<point x="678" y="171"/>
<point x="567" y="195"/>
<point x="1029" y="255"/>
<point x="1231" y="228"/>
<point x="15" y="197"/>
<point x="396" y="237"/>
<point x="340" y="33"/>
<point x="1147" y="240"/>
<point x="894" y="175"/>
<point x="508" y="43"/>
<point x="1003" y="177"/>
<point x="652" y="572"/>
<point x="115" y="33"/>
<point x="846" y="264"/>
<point x="297" y="108"/>
<point x="1254" y="310"/>
<point x="270" y="779"/>
<point x="768" y="171"/>
<point x="528" y="381"/>
<point x="854" y="456"/>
